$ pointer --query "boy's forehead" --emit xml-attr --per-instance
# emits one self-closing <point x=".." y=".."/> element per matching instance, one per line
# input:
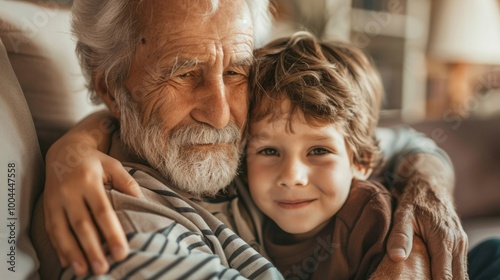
<point x="284" y="113"/>
<point x="293" y="123"/>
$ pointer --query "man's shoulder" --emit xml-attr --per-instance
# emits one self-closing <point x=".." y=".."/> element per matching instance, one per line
<point x="159" y="207"/>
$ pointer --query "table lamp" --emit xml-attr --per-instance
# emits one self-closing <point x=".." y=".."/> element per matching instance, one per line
<point x="464" y="33"/>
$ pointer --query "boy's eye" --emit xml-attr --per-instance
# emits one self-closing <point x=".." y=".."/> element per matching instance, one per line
<point x="319" y="151"/>
<point x="268" y="152"/>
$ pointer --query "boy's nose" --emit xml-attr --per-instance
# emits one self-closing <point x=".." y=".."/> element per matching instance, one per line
<point x="294" y="173"/>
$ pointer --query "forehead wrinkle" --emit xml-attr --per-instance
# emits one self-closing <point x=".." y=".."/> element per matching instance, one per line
<point x="153" y="10"/>
<point x="240" y="56"/>
<point x="191" y="17"/>
<point x="184" y="38"/>
<point x="178" y="48"/>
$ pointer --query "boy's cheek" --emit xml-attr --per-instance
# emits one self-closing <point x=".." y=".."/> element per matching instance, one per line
<point x="250" y="155"/>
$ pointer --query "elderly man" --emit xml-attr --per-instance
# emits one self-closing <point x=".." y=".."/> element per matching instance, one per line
<point x="174" y="74"/>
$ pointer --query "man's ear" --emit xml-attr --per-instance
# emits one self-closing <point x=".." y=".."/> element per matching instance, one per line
<point x="102" y="89"/>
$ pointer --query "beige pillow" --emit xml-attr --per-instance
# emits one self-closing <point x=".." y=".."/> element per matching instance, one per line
<point x="40" y="48"/>
<point x="21" y="172"/>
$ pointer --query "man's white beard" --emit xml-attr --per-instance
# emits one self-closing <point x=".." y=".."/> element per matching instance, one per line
<point x="200" y="172"/>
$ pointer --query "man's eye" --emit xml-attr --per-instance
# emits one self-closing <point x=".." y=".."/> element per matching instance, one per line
<point x="268" y="152"/>
<point x="319" y="152"/>
<point x="231" y="73"/>
<point x="185" y="75"/>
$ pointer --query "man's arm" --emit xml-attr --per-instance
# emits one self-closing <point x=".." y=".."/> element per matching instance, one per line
<point x="420" y="176"/>
<point x="76" y="207"/>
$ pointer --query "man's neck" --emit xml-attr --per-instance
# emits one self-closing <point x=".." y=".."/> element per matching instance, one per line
<point x="119" y="151"/>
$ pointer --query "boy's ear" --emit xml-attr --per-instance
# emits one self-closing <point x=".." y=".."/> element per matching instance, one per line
<point x="361" y="172"/>
<point x="102" y="89"/>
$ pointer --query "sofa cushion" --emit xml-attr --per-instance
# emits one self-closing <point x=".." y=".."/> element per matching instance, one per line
<point x="40" y="48"/>
<point x="474" y="148"/>
<point x="22" y="173"/>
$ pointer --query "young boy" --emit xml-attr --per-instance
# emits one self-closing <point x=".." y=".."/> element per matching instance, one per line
<point x="313" y="111"/>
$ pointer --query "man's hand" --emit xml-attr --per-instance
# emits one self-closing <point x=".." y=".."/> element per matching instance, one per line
<point x="75" y="202"/>
<point x="416" y="266"/>
<point x="425" y="208"/>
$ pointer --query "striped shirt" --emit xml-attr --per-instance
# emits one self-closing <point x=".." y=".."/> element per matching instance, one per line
<point x="173" y="236"/>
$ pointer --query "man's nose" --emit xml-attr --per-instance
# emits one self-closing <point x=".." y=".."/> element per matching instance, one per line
<point x="212" y="106"/>
<point x="294" y="173"/>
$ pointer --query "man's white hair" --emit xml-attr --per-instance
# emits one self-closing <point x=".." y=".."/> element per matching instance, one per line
<point x="107" y="34"/>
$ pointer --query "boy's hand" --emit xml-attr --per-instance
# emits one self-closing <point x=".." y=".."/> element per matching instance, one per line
<point x="75" y="202"/>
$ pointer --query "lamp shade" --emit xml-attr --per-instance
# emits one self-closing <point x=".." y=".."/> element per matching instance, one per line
<point x="466" y="31"/>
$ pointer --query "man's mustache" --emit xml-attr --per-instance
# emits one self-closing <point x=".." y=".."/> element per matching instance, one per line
<point x="199" y="134"/>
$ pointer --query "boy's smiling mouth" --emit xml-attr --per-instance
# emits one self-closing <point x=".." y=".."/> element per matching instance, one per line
<point x="294" y="204"/>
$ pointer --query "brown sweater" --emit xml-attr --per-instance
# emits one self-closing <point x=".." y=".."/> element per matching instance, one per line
<point x="349" y="247"/>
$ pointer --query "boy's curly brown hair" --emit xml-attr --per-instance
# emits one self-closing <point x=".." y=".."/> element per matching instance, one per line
<point x="329" y="82"/>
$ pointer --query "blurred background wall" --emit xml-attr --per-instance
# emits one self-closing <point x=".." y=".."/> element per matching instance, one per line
<point x="435" y="57"/>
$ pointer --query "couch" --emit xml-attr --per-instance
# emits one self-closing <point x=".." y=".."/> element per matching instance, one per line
<point x="43" y="94"/>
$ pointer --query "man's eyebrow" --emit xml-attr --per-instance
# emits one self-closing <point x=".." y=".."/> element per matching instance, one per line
<point x="179" y="63"/>
<point x="246" y="62"/>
